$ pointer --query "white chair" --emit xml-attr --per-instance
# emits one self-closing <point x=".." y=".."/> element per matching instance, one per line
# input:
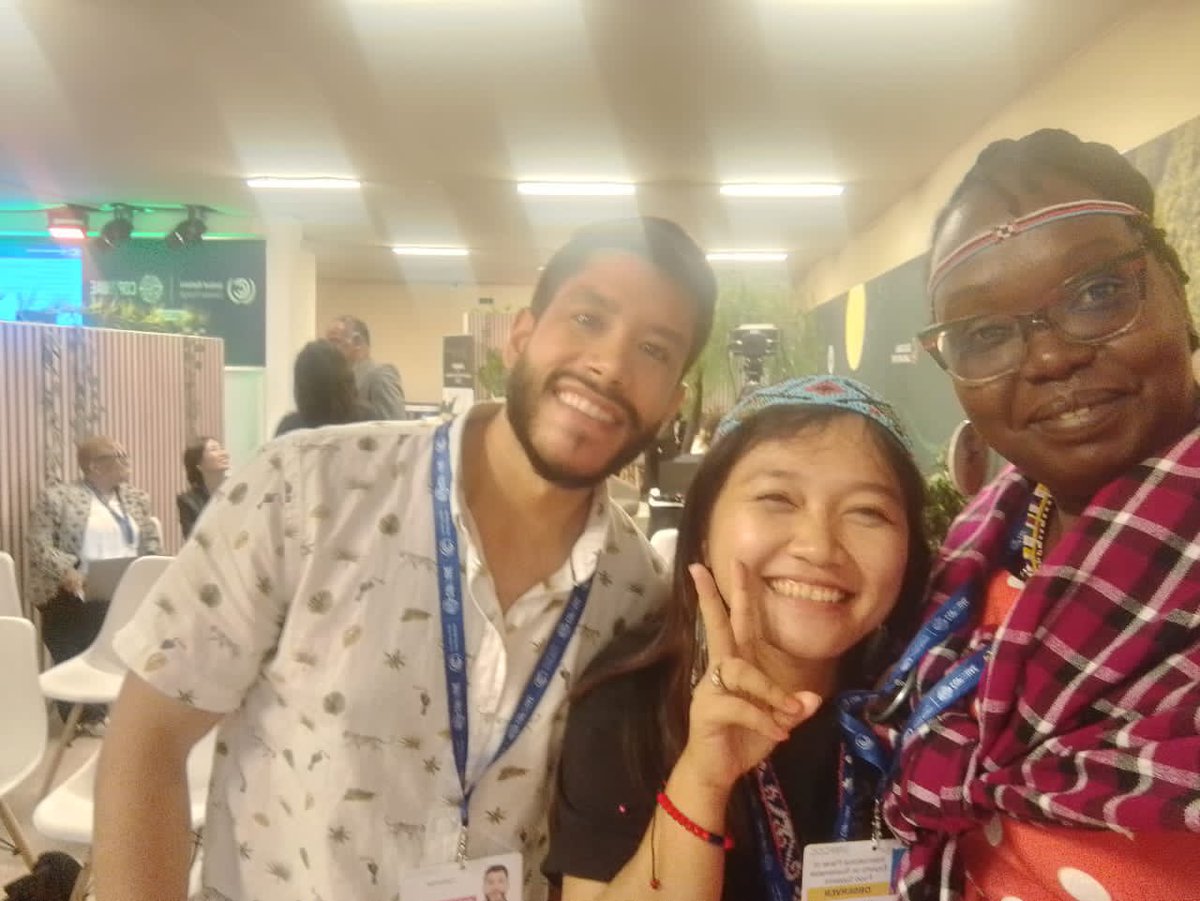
<point x="67" y="813"/>
<point x="10" y="598"/>
<point x="95" y="676"/>
<point x="22" y="719"/>
<point x="663" y="542"/>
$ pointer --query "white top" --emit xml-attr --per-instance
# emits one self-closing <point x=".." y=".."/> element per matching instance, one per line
<point x="103" y="540"/>
<point x="307" y="607"/>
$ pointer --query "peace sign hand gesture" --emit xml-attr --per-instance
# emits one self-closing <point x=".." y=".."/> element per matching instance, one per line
<point x="738" y="714"/>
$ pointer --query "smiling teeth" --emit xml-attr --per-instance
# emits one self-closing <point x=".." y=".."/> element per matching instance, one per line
<point x="585" y="406"/>
<point x="792" y="589"/>
<point x="1070" y="417"/>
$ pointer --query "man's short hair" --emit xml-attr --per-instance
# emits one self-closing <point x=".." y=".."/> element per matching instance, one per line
<point x="661" y="243"/>
<point x="357" y="329"/>
<point x="90" y="448"/>
<point x="496" y="868"/>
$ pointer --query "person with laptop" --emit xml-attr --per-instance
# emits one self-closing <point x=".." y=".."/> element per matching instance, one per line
<point x="74" y="528"/>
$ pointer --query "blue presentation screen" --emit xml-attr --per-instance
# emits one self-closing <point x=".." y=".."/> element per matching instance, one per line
<point x="41" y="282"/>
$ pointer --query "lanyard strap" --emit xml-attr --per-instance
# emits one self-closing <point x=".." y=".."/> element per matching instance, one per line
<point x="122" y="518"/>
<point x="779" y="849"/>
<point x="454" y="656"/>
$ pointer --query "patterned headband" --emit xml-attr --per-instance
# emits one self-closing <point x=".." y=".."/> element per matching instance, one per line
<point x="831" y="391"/>
<point x="1001" y="233"/>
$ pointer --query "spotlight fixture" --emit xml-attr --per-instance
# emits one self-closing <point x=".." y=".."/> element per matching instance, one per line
<point x="117" y="230"/>
<point x="190" y="231"/>
<point x="67" y="223"/>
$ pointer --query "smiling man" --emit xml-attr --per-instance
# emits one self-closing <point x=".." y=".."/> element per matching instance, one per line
<point x="386" y="619"/>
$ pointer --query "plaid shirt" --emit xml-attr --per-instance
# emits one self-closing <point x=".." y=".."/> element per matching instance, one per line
<point x="1087" y="712"/>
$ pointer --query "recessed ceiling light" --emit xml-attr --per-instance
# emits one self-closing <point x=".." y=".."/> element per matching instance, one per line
<point x="421" y="250"/>
<point x="576" y="188"/>
<point x="316" y="183"/>
<point x="747" y="256"/>
<point x="731" y="189"/>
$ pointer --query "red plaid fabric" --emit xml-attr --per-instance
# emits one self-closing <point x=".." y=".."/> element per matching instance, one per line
<point x="1088" y="713"/>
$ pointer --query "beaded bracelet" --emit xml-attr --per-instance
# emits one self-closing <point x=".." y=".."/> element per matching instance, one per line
<point x="721" y="841"/>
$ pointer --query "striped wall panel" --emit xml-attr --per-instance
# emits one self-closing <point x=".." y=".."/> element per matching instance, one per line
<point x="152" y="392"/>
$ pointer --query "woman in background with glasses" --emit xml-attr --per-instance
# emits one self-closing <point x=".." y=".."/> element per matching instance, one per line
<point x="1049" y="746"/>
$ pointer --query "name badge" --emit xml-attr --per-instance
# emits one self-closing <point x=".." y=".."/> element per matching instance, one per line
<point x="496" y="878"/>
<point x="851" y="871"/>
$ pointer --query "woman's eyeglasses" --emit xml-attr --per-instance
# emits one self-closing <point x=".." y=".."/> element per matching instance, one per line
<point x="1091" y="308"/>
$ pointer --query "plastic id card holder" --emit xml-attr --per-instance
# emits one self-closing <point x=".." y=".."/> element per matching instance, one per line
<point x="496" y="878"/>
<point x="851" y="871"/>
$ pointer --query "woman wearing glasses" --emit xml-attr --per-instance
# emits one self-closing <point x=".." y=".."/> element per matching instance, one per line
<point x="99" y="517"/>
<point x="1049" y="747"/>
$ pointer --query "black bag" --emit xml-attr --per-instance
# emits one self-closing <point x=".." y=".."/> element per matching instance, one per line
<point x="52" y="879"/>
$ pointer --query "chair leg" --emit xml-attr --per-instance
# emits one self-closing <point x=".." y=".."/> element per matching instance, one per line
<point x="60" y="749"/>
<point x="79" y="892"/>
<point x="18" y="837"/>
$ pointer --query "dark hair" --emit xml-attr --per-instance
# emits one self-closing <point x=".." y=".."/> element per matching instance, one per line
<point x="674" y="646"/>
<point x="661" y="243"/>
<point x="193" y="454"/>
<point x="357" y="328"/>
<point x="495" y="868"/>
<point x="324" y="386"/>
<point x="1023" y="162"/>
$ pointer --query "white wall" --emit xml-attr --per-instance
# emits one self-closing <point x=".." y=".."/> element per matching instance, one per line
<point x="1136" y="82"/>
<point x="408" y="321"/>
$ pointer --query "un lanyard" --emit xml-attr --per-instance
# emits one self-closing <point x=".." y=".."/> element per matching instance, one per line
<point x="779" y="848"/>
<point x="122" y="518"/>
<point x="860" y="740"/>
<point x="454" y="656"/>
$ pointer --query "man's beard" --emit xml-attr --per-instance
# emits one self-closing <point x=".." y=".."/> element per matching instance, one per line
<point x="521" y="407"/>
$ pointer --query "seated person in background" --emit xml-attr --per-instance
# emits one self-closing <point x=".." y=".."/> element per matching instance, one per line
<point x="802" y="555"/>
<point x="206" y="463"/>
<point x="99" y="517"/>
<point x="323" y="386"/>
<point x="378" y="383"/>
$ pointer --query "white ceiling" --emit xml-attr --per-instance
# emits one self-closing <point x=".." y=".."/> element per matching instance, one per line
<point x="439" y="106"/>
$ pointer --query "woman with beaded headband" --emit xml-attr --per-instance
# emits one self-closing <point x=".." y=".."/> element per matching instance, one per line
<point x="1049" y="746"/>
<point x="699" y="758"/>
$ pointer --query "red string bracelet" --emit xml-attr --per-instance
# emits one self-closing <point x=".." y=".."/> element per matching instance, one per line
<point x="721" y="841"/>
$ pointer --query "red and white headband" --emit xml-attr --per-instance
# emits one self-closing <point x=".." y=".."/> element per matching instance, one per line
<point x="1000" y="233"/>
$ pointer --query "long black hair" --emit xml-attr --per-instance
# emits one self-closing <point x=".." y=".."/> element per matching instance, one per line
<point x="324" y="386"/>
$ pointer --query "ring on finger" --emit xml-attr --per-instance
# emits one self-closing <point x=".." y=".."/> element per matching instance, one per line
<point x="715" y="678"/>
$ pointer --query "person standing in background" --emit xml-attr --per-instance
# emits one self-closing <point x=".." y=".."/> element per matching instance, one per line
<point x="378" y="383"/>
<point x="99" y="517"/>
<point x="206" y="463"/>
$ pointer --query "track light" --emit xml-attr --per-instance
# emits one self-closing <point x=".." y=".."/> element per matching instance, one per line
<point x="118" y="229"/>
<point x="67" y="223"/>
<point x="190" y="231"/>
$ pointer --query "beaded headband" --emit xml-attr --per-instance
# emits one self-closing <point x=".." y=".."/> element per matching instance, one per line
<point x="1001" y="233"/>
<point x="832" y="391"/>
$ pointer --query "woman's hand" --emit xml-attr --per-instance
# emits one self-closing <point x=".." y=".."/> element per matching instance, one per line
<point x="738" y="715"/>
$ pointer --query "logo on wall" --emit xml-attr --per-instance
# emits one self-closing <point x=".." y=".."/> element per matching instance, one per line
<point x="241" y="290"/>
<point x="151" y="289"/>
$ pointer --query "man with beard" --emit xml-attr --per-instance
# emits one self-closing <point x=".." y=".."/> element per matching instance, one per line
<point x="386" y="619"/>
<point x="495" y="883"/>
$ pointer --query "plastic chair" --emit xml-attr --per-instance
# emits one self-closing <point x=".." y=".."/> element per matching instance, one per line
<point x="663" y="542"/>
<point x="67" y="813"/>
<point x="95" y="676"/>
<point x="22" y="719"/>
<point x="10" y="598"/>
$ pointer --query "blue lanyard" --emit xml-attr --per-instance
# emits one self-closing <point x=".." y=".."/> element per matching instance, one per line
<point x="860" y="741"/>
<point x="122" y="518"/>
<point x="454" y="637"/>
<point x="769" y="803"/>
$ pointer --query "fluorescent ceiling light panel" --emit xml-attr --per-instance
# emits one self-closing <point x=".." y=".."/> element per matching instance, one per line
<point x="733" y="189"/>
<point x="747" y="256"/>
<point x="421" y="250"/>
<point x="67" y="232"/>
<point x="316" y="183"/>
<point x="576" y="188"/>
